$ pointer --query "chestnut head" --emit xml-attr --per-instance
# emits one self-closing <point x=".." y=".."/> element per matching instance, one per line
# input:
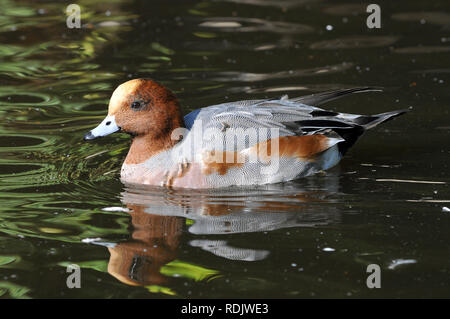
<point x="140" y="107"/>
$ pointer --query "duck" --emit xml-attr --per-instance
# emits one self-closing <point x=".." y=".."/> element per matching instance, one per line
<point x="241" y="143"/>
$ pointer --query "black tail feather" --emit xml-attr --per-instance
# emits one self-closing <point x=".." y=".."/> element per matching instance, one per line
<point x="349" y="127"/>
<point x="363" y="123"/>
<point x="371" y="121"/>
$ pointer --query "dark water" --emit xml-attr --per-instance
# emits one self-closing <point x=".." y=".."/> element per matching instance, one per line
<point x="61" y="201"/>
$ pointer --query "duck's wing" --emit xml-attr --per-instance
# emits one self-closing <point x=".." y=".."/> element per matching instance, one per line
<point x="308" y="102"/>
<point x="252" y="114"/>
<point x="289" y="117"/>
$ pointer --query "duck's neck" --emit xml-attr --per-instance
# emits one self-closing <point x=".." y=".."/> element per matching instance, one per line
<point x="159" y="139"/>
<point x="144" y="147"/>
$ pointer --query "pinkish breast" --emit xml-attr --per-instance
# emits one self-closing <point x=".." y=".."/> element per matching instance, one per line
<point x="186" y="175"/>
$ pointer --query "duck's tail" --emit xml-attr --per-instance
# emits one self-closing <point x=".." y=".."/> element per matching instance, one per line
<point x="371" y="121"/>
<point x="362" y="124"/>
<point x="349" y="126"/>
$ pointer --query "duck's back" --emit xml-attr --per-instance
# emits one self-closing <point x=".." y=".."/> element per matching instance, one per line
<point x="269" y="141"/>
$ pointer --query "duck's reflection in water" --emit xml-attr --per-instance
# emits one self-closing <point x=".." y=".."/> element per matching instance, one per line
<point x="160" y="216"/>
<point x="154" y="242"/>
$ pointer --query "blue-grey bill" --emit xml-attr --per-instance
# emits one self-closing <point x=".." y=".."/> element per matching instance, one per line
<point x="106" y="127"/>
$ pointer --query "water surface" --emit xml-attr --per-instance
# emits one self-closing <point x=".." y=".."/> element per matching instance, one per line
<point x="62" y="201"/>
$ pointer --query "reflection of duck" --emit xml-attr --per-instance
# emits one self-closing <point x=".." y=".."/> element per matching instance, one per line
<point x="158" y="216"/>
<point x="154" y="243"/>
<point x="222" y="249"/>
<point x="239" y="210"/>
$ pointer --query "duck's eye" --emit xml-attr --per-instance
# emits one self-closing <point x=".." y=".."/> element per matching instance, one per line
<point x="135" y="105"/>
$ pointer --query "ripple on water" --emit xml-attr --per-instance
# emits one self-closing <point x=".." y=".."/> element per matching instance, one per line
<point x="400" y="262"/>
<point x="432" y="71"/>
<point x="354" y="42"/>
<point x="26" y="70"/>
<point x="423" y="49"/>
<point x="434" y="17"/>
<point x="285" y="4"/>
<point x="95" y="108"/>
<point x="12" y="141"/>
<point x="13" y="98"/>
<point x="346" y="9"/>
<point x="252" y="77"/>
<point x="13" y="246"/>
<point x="15" y="51"/>
<point x="17" y="168"/>
<point x="238" y="24"/>
<point x="304" y="87"/>
<point x="10" y="96"/>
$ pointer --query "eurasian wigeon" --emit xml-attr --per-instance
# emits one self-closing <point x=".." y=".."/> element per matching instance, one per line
<point x="250" y="142"/>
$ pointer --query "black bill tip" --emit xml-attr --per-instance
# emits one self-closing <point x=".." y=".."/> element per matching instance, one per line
<point x="89" y="136"/>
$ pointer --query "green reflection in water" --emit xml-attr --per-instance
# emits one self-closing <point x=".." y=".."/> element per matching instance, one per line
<point x="98" y="265"/>
<point x="161" y="289"/>
<point x="179" y="268"/>
<point x="8" y="289"/>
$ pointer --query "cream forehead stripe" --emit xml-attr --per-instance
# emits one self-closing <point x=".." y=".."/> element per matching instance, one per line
<point x="120" y="94"/>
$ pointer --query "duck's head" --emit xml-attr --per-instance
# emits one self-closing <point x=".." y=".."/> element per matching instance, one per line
<point x="140" y="107"/>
